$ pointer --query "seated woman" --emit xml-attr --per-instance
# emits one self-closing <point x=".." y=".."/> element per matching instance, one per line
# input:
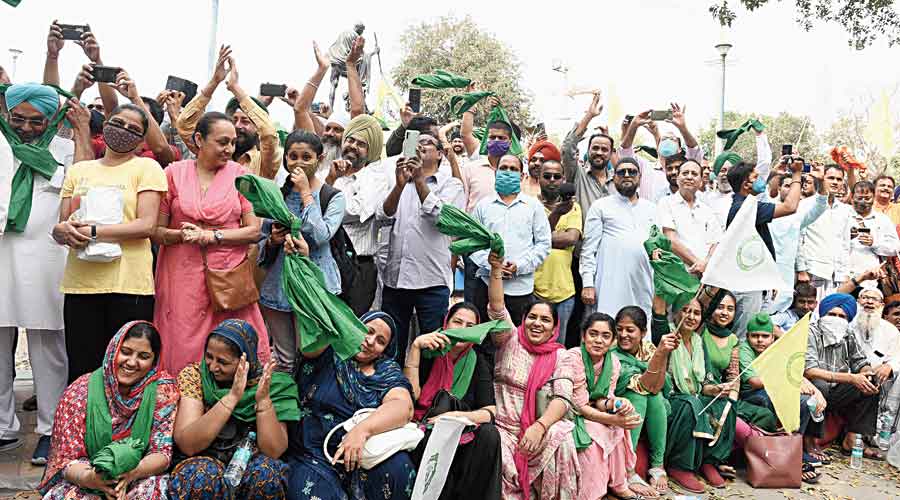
<point x="127" y="397"/>
<point x="691" y="433"/>
<point x="642" y="381"/>
<point x="466" y="375"/>
<point x="601" y="432"/>
<point x="720" y="345"/>
<point x="333" y="390"/>
<point x="538" y="451"/>
<point x="224" y="397"/>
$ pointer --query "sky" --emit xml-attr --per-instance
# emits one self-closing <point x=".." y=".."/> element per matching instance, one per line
<point x="647" y="53"/>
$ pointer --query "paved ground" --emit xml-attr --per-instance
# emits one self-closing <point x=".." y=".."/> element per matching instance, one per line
<point x="877" y="480"/>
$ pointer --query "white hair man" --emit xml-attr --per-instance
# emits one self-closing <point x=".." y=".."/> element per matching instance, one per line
<point x="879" y="340"/>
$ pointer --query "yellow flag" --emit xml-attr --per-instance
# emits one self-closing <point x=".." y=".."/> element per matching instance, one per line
<point x="387" y="105"/>
<point x="781" y="369"/>
<point x="880" y="129"/>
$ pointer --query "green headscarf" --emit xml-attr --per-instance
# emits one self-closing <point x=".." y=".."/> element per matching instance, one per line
<point x="760" y="322"/>
<point x="498" y="114"/>
<point x="729" y="156"/>
<point x="441" y="79"/>
<point x="731" y="135"/>
<point x="596" y="389"/>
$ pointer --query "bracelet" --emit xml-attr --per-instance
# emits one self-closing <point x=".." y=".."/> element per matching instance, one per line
<point x="653" y="372"/>
<point x="222" y="402"/>
<point x="497" y="276"/>
<point x="264" y="409"/>
<point x="313" y="85"/>
<point x="542" y="425"/>
<point x="796" y="182"/>
<point x="411" y="366"/>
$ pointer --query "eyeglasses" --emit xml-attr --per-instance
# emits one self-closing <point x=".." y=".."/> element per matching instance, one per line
<point x="627" y="172"/>
<point x="19" y="121"/>
<point x="552" y="177"/>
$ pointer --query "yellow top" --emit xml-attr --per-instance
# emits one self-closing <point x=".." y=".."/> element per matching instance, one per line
<point x="553" y="280"/>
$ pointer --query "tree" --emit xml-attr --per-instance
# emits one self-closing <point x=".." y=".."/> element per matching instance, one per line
<point x="461" y="47"/>
<point x="782" y="129"/>
<point x="864" y="21"/>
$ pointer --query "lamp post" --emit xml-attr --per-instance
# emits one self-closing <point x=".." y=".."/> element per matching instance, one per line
<point x="213" y="31"/>
<point x="15" y="53"/>
<point x="723" y="49"/>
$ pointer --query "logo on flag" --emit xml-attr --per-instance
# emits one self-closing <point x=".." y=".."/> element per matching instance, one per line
<point x="750" y="253"/>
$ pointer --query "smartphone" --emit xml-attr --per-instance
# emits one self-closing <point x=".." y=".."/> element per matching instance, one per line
<point x="865" y="230"/>
<point x="316" y="107"/>
<point x="415" y="99"/>
<point x="272" y="90"/>
<point x="628" y="118"/>
<point x="410" y="143"/>
<point x="787" y="150"/>
<point x="74" y="31"/>
<point x="105" y="74"/>
<point x="540" y="128"/>
<point x="182" y="85"/>
<point x="661" y="115"/>
<point x="807" y="168"/>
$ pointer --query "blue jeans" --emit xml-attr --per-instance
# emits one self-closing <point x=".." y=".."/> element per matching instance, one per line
<point x="564" y="311"/>
<point x="760" y="397"/>
<point x="431" y="306"/>
<point x="469" y="279"/>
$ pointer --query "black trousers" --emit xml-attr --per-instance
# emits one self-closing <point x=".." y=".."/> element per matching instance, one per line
<point x="91" y="321"/>
<point x="861" y="411"/>
<point x="361" y="295"/>
<point x="476" y="469"/>
<point x="515" y="304"/>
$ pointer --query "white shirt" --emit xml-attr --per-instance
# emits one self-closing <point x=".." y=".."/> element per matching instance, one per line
<point x="697" y="227"/>
<point x="718" y="202"/>
<point x="363" y="191"/>
<point x="885" y="339"/>
<point x="884" y="241"/>
<point x="825" y="244"/>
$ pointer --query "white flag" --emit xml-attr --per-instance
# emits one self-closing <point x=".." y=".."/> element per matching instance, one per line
<point x="741" y="262"/>
<point x="438" y="456"/>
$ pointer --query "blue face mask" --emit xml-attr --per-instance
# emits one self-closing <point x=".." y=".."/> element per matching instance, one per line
<point x="497" y="148"/>
<point x="507" y="182"/>
<point x="759" y="185"/>
<point x="668" y="147"/>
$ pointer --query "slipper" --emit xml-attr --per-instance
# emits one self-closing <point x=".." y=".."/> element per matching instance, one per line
<point x="727" y="472"/>
<point x="712" y="476"/>
<point x="685" y="480"/>
<point x="809" y="458"/>
<point x="809" y="469"/>
<point x="636" y="480"/>
<point x="613" y="494"/>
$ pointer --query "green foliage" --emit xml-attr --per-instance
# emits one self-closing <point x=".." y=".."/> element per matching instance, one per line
<point x="782" y="129"/>
<point x="461" y="47"/>
<point x="864" y="21"/>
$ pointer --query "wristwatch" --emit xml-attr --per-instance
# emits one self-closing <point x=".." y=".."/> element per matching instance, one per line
<point x="217" y="234"/>
<point x="93" y="233"/>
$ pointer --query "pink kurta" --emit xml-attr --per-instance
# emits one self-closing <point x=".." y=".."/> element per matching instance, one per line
<point x="607" y="461"/>
<point x="183" y="312"/>
<point x="555" y="470"/>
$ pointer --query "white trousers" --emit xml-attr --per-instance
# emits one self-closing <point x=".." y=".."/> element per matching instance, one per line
<point x="49" y="367"/>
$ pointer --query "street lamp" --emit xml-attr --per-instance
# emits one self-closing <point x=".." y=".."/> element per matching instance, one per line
<point x="213" y="31"/>
<point x="723" y="49"/>
<point x="15" y="53"/>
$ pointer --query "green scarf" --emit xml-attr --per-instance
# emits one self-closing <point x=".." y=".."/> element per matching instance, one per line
<point x="459" y="104"/>
<point x="498" y="114"/>
<point x="474" y="334"/>
<point x="282" y="392"/>
<point x="14" y="3"/>
<point x="115" y="458"/>
<point x="718" y="331"/>
<point x="473" y="236"/>
<point x="441" y="79"/>
<point x="36" y="159"/>
<point x="688" y="372"/>
<point x="596" y="389"/>
<point x="462" y="374"/>
<point x="321" y="318"/>
<point x="731" y="135"/>
<point x="670" y="277"/>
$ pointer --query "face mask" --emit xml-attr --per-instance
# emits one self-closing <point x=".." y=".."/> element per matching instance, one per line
<point x="833" y="329"/>
<point x="120" y="139"/>
<point x="497" y="148"/>
<point x="759" y="185"/>
<point x="668" y="148"/>
<point x="507" y="182"/>
<point x="862" y="207"/>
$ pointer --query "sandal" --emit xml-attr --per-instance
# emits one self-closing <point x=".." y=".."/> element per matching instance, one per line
<point x="727" y="471"/>
<point x="633" y="496"/>
<point x="657" y="473"/>
<point x="817" y="458"/>
<point x="810" y="474"/>
<point x="636" y="481"/>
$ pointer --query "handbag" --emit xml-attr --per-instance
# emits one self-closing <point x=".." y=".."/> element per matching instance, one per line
<point x="774" y="460"/>
<point x="545" y="395"/>
<point x="230" y="289"/>
<point x="379" y="447"/>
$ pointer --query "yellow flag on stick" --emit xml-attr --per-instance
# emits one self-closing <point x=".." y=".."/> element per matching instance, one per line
<point x="781" y="368"/>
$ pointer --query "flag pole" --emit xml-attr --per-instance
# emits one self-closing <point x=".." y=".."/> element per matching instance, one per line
<point x="738" y="378"/>
<point x="697" y="296"/>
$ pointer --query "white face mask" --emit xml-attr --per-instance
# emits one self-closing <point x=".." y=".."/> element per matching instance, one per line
<point x="833" y="329"/>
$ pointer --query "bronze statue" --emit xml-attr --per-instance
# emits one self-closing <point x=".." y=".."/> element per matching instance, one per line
<point x="338" y="54"/>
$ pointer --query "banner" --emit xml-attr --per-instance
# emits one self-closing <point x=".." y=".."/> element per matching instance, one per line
<point x="781" y="368"/>
<point x="438" y="456"/>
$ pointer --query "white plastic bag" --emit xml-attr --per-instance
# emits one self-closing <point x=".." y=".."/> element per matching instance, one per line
<point x="101" y="205"/>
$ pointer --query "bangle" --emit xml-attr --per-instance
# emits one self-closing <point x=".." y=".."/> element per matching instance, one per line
<point x="411" y="366"/>
<point x="222" y="402"/>
<point x="796" y="182"/>
<point x="496" y="276"/>
<point x="313" y="85"/>
<point x="652" y="371"/>
<point x="542" y="425"/>
<point x="267" y="408"/>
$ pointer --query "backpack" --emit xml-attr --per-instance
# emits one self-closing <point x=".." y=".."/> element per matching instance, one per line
<point x="341" y="247"/>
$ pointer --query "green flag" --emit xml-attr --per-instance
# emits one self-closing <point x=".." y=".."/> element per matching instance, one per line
<point x="14" y="3"/>
<point x="731" y="135"/>
<point x="473" y="236"/>
<point x="474" y="334"/>
<point x="670" y="278"/>
<point x="459" y="104"/>
<point x="441" y="79"/>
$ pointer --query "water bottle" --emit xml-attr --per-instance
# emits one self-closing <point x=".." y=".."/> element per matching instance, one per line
<point x="884" y="433"/>
<point x="856" y="456"/>
<point x="616" y="406"/>
<point x="816" y="416"/>
<point x="235" y="470"/>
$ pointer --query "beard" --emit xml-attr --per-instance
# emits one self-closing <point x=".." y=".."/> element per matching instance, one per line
<point x="627" y="191"/>
<point x="868" y="322"/>
<point x="330" y="140"/>
<point x="244" y="142"/>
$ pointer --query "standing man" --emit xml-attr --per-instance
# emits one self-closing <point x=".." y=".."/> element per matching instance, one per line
<point x="365" y="186"/>
<point x="614" y="266"/>
<point x="593" y="183"/>
<point x="884" y="192"/>
<point x="553" y="280"/>
<point x="417" y="272"/>
<point x="32" y="263"/>
<point x="538" y="153"/>
<point x="690" y="224"/>
<point x="522" y="223"/>
<point x="872" y="234"/>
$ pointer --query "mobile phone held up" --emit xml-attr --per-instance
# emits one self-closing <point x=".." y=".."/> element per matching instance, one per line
<point x="415" y="100"/>
<point x="316" y="107"/>
<point x="410" y="143"/>
<point x="659" y="115"/>
<point x="182" y="85"/>
<point x="73" y="31"/>
<point x="105" y="74"/>
<point x="272" y="90"/>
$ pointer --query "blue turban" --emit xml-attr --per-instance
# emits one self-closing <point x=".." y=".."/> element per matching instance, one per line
<point x="45" y="99"/>
<point x="842" y="300"/>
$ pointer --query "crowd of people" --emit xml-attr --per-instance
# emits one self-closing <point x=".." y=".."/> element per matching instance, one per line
<point x="117" y="218"/>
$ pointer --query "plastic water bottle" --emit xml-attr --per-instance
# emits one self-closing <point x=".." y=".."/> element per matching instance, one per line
<point x="235" y="470"/>
<point x="884" y="433"/>
<point x="616" y="406"/>
<point x="856" y="456"/>
<point x="816" y="416"/>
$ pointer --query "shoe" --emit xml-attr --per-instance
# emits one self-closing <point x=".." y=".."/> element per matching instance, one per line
<point x="30" y="404"/>
<point x="41" y="451"/>
<point x="10" y="444"/>
<point x="712" y="476"/>
<point x="686" y="480"/>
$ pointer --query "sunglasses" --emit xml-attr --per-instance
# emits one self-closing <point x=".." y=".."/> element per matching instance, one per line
<point x="552" y="177"/>
<point x="19" y="121"/>
<point x="627" y="172"/>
